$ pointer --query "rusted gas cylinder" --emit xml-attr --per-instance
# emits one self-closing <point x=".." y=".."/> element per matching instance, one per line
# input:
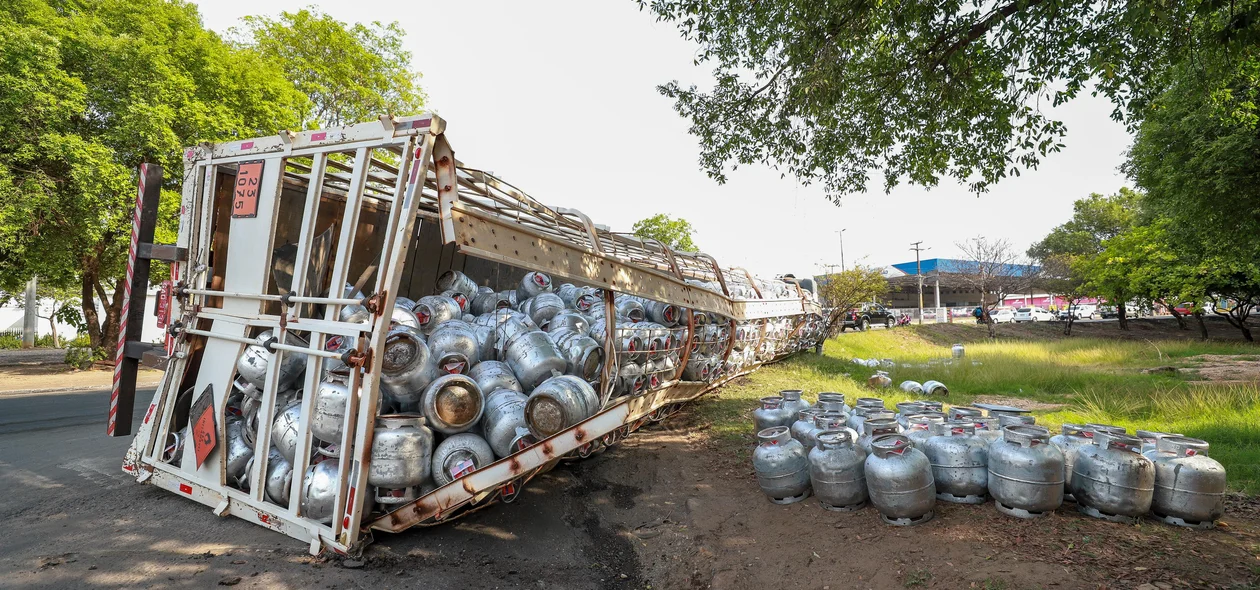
<point x="1112" y="480"/>
<point x="770" y="414"/>
<point x="1189" y="485"/>
<point x="452" y="404"/>
<point x="899" y="480"/>
<point x="837" y="471"/>
<point x="782" y="466"/>
<point x="960" y="463"/>
<point x="1025" y="472"/>
<point x="559" y="403"/>
<point x="402" y="452"/>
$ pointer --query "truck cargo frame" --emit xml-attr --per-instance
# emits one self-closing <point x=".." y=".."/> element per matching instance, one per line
<point x="402" y="172"/>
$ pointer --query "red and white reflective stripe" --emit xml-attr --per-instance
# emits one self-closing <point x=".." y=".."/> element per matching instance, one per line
<point x="122" y="324"/>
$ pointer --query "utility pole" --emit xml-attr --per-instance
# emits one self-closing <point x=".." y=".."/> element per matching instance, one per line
<point x="30" y="319"/>
<point x="918" y="271"/>
<point x="841" y="232"/>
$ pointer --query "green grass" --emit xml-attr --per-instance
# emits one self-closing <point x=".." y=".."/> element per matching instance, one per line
<point x="1094" y="380"/>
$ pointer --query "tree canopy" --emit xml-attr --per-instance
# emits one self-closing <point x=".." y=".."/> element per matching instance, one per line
<point x="675" y="233"/>
<point x="90" y="89"/>
<point x="835" y="91"/>
<point x="847" y="289"/>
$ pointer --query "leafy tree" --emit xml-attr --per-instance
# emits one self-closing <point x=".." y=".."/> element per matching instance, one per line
<point x="842" y="291"/>
<point x="675" y="233"/>
<point x="89" y="89"/>
<point x="350" y="73"/>
<point x="995" y="270"/>
<point x="834" y="91"/>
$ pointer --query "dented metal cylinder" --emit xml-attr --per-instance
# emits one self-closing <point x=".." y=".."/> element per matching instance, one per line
<point x="782" y="466"/>
<point x="899" y="480"/>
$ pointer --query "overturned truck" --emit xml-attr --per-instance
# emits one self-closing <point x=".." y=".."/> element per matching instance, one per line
<point x="364" y="334"/>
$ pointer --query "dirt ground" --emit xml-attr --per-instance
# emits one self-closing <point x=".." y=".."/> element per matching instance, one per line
<point x="1227" y="368"/>
<point x="1158" y="328"/>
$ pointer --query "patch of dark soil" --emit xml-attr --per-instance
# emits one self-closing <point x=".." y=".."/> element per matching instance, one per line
<point x="605" y="547"/>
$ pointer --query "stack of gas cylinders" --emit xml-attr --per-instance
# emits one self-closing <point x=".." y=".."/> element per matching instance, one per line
<point x="904" y="459"/>
<point x="469" y="375"/>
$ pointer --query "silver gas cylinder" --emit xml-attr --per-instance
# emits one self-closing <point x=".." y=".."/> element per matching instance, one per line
<point x="452" y="404"/>
<point x="630" y="309"/>
<point x="835" y="401"/>
<point x="912" y="387"/>
<point x="960" y="461"/>
<point x="1005" y="420"/>
<point x="571" y="320"/>
<point x="987" y="428"/>
<point x="459" y="455"/>
<point x="1071" y="438"/>
<point x="354" y="313"/>
<point x="630" y="379"/>
<point x="1150" y="441"/>
<point x="402" y="451"/>
<point x="584" y="357"/>
<point x="932" y="405"/>
<point x="626" y="341"/>
<point x="319" y="491"/>
<point x="698" y="368"/>
<point x="1025" y="472"/>
<point x="919" y="428"/>
<point x="532" y="284"/>
<point x="934" y="388"/>
<point x="558" y="403"/>
<point x="401" y="316"/>
<point x="433" y="310"/>
<point x="407" y="367"/>
<point x="284" y="430"/>
<point x="1105" y="428"/>
<point x="803" y="423"/>
<point x="487" y="301"/>
<point x="533" y="357"/>
<point x="963" y="413"/>
<point x="503" y="418"/>
<point x="453" y="280"/>
<point x="837" y="471"/>
<point x="1112" y="480"/>
<point x="822" y="421"/>
<point x="907" y="409"/>
<point x="495" y="375"/>
<point x="666" y="314"/>
<point x="958" y="351"/>
<point x="543" y="307"/>
<point x="870" y="402"/>
<point x="279" y="477"/>
<point x="782" y="466"/>
<point x="771" y="414"/>
<point x="454" y="346"/>
<point x="253" y="362"/>
<point x="1189" y="485"/>
<point x="877" y="425"/>
<point x="509" y="295"/>
<point x="328" y="411"/>
<point x="858" y="416"/>
<point x="404" y="303"/>
<point x="239" y="452"/>
<point x="899" y="480"/>
<point x="465" y="304"/>
<point x="792" y="400"/>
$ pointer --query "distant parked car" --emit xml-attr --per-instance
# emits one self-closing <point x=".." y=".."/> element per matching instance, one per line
<point x="1033" y="314"/>
<point x="1002" y="316"/>
<point x="868" y="314"/>
<point x="1082" y="312"/>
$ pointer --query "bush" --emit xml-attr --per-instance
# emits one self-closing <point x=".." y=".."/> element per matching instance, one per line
<point x="82" y="357"/>
<point x="8" y="341"/>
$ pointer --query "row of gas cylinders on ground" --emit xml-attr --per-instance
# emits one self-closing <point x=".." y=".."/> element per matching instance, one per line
<point x="904" y="461"/>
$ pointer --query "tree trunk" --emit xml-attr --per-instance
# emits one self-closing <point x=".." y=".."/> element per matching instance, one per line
<point x="109" y="331"/>
<point x="1203" y="333"/>
<point x="1181" y="320"/>
<point x="992" y="325"/>
<point x="88" y="306"/>
<point x="1122" y="315"/>
<point x="52" y="325"/>
<point x="1067" y="328"/>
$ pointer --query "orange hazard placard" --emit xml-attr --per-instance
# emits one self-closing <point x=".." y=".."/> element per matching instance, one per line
<point x="205" y="434"/>
<point x="245" y="193"/>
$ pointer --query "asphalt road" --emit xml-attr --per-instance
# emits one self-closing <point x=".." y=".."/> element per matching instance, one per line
<point x="75" y="520"/>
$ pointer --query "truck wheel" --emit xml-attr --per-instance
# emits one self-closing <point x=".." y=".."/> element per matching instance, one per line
<point x="866" y="324"/>
<point x="889" y="323"/>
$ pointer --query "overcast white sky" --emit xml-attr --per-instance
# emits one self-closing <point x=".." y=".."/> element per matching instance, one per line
<point x="560" y="99"/>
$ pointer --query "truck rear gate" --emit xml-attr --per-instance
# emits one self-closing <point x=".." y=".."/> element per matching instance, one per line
<point x="272" y="227"/>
